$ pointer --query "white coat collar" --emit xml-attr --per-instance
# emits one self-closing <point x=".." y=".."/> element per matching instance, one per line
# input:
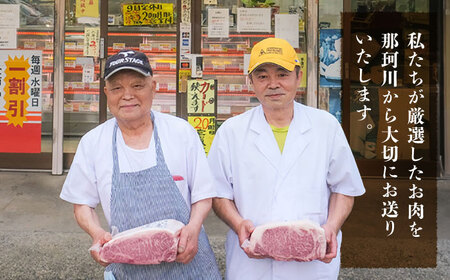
<point x="298" y="138"/>
<point x="295" y="143"/>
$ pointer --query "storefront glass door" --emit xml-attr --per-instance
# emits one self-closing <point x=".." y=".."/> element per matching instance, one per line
<point x="129" y="26"/>
<point x="330" y="57"/>
<point x="26" y="81"/>
<point x="229" y="31"/>
<point x="150" y="28"/>
<point x="81" y="70"/>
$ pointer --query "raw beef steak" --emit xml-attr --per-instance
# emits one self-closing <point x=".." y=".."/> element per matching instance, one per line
<point x="148" y="244"/>
<point x="285" y="241"/>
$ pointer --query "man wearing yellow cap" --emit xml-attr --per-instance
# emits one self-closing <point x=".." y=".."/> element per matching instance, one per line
<point x="281" y="161"/>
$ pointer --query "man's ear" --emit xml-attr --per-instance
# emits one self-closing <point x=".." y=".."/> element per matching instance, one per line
<point x="153" y="83"/>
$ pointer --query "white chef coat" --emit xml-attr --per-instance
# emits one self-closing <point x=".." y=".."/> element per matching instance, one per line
<point x="89" y="179"/>
<point x="268" y="186"/>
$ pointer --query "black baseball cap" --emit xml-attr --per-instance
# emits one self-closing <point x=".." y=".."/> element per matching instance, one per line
<point x="128" y="59"/>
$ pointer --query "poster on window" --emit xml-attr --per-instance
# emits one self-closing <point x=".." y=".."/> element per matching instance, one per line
<point x="330" y="55"/>
<point x="148" y="14"/>
<point x="87" y="8"/>
<point x="254" y="20"/>
<point x="20" y="101"/>
<point x="201" y="97"/>
<point x="91" y="46"/>
<point x="218" y="23"/>
<point x="206" y="129"/>
<point x="10" y="15"/>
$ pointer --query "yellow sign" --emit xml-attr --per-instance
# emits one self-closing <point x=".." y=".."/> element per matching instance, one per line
<point x="184" y="76"/>
<point x="206" y="129"/>
<point x="201" y="97"/>
<point x="16" y="90"/>
<point x="118" y="46"/>
<point x="147" y="14"/>
<point x="87" y="8"/>
<point x="303" y="63"/>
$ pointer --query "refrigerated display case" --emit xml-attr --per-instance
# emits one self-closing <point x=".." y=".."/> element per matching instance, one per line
<point x="157" y="40"/>
<point x="41" y="38"/>
<point x="159" y="44"/>
<point x="223" y="58"/>
<point x="81" y="102"/>
<point x="82" y="98"/>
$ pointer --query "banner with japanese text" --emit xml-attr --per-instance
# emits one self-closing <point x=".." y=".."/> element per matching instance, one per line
<point x="206" y="129"/>
<point x="393" y="132"/>
<point x="20" y="101"/>
<point x="148" y="14"/>
<point x="202" y="108"/>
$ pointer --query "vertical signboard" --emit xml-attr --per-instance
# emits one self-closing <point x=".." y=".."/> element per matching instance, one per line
<point x="201" y="97"/>
<point x="392" y="130"/>
<point x="20" y="101"/>
<point x="202" y="108"/>
<point x="91" y="46"/>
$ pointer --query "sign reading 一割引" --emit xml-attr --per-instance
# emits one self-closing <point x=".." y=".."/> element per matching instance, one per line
<point x="147" y="14"/>
<point x="20" y="101"/>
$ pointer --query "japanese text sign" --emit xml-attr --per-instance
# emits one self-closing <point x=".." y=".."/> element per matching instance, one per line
<point x="201" y="97"/>
<point x="392" y="127"/>
<point x="10" y="15"/>
<point x="8" y="38"/>
<point x="254" y="20"/>
<point x="147" y="14"/>
<point x="91" y="41"/>
<point x="87" y="8"/>
<point x="218" y="23"/>
<point x="20" y="101"/>
<point x="302" y="57"/>
<point x="206" y="129"/>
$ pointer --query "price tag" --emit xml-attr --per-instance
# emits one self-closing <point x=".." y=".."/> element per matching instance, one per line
<point x="29" y="45"/>
<point x="70" y="45"/>
<point x="145" y="47"/>
<point x="118" y="46"/>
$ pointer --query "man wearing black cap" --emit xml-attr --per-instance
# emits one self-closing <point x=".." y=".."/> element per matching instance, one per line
<point x="142" y="166"/>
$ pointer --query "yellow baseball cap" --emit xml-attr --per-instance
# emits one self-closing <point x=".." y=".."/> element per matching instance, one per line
<point x="273" y="50"/>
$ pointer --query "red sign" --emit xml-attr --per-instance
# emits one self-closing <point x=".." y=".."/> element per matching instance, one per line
<point x="20" y="101"/>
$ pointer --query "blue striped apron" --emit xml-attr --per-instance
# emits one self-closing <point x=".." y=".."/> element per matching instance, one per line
<point x="146" y="196"/>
